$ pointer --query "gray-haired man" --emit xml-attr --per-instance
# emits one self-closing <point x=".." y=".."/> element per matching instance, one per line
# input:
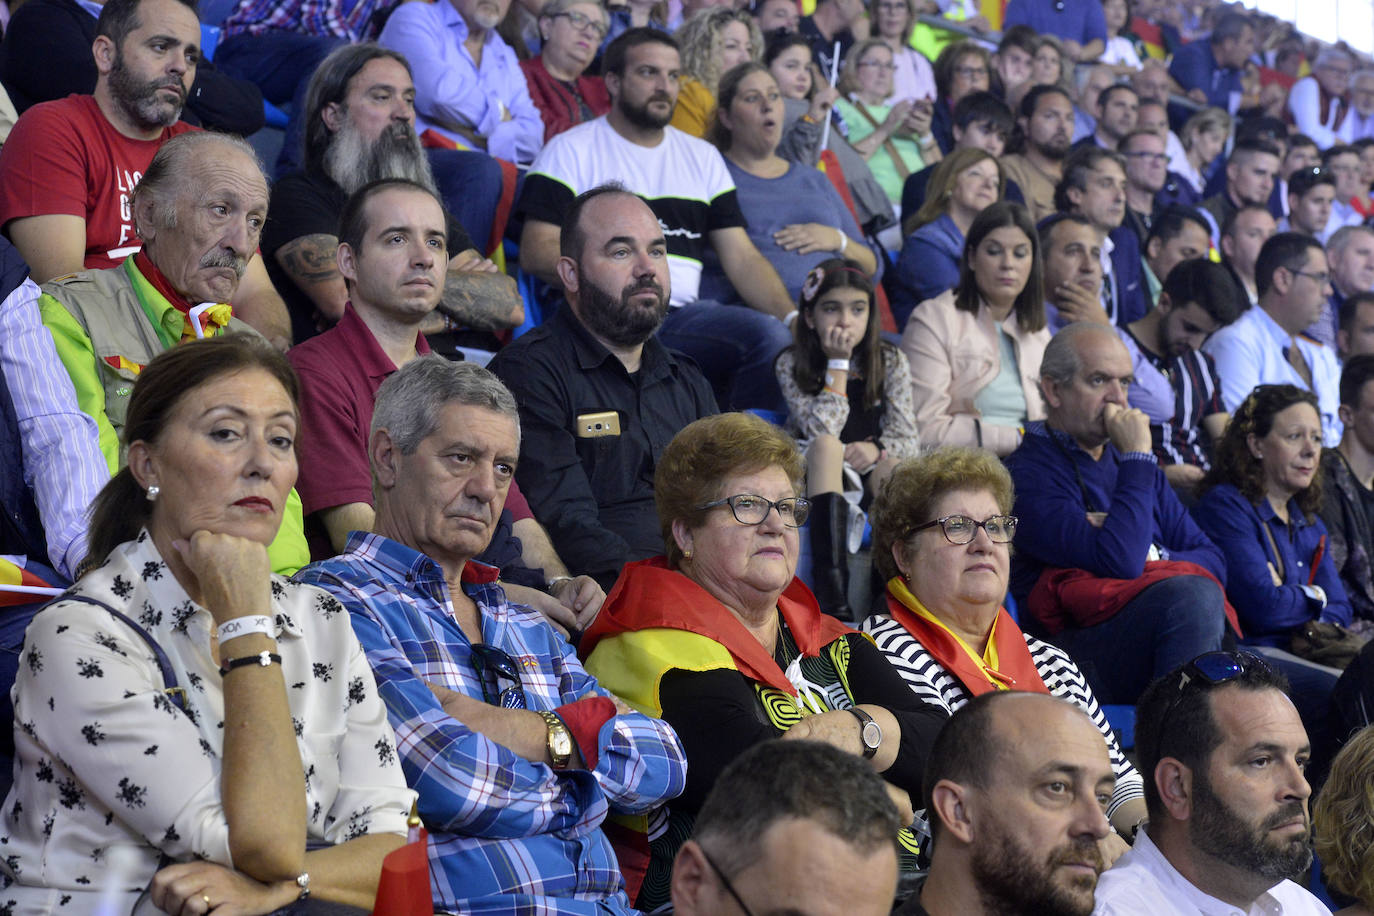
<point x="516" y="753"/>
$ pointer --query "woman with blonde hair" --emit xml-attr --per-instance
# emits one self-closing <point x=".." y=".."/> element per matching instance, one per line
<point x="966" y="182"/>
<point x="714" y="41"/>
<point x="895" y="140"/>
<point x="1343" y="824"/>
<point x="1203" y="136"/>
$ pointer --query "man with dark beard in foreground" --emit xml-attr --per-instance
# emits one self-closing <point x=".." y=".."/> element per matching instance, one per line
<point x="1017" y="787"/>
<point x="1223" y="753"/>
<point x="599" y="396"/>
<point x="360" y="127"/>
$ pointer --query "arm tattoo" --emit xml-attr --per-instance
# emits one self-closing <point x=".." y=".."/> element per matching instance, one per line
<point x="310" y="259"/>
<point x="483" y="301"/>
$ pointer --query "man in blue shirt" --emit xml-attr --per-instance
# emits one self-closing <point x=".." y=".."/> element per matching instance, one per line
<point x="517" y="754"/>
<point x="1094" y="507"/>
<point x="1210" y="70"/>
<point x="1080" y="24"/>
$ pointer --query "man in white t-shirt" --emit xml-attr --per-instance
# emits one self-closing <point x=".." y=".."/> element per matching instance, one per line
<point x="1222" y="750"/>
<point x="686" y="184"/>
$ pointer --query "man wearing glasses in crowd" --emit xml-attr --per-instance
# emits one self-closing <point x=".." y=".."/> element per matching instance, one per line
<point x="516" y="753"/>
<point x="1223" y="752"/>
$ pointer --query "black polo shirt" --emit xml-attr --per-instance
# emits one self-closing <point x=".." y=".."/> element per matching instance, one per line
<point x="595" y="494"/>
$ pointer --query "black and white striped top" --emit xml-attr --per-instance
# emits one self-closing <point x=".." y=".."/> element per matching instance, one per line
<point x="934" y="685"/>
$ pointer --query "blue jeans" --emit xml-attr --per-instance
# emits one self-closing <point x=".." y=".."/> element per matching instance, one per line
<point x="469" y="181"/>
<point x="735" y="347"/>
<point x="280" y="64"/>
<point x="1166" y="625"/>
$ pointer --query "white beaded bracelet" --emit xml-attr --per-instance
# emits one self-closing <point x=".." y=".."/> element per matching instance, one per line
<point x="242" y="626"/>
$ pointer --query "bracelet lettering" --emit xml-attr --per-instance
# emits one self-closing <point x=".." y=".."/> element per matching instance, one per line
<point x="261" y="660"/>
<point x="838" y="365"/>
<point x="242" y="626"/>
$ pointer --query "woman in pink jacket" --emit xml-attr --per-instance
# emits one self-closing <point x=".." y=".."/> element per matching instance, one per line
<point x="975" y="350"/>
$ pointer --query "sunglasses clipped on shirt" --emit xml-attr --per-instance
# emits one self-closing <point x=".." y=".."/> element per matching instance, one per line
<point x="494" y="664"/>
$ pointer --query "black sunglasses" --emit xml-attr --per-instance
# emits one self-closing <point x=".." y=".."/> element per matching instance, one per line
<point x="489" y="660"/>
<point x="1211" y="669"/>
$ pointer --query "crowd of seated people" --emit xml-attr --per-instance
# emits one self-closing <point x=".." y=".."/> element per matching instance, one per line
<point x="500" y="458"/>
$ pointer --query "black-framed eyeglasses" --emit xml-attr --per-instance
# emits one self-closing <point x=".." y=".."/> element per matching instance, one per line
<point x="1211" y="669"/>
<point x="582" y="23"/>
<point x="1319" y="278"/>
<point x="960" y="529"/>
<point x="726" y="882"/>
<point x="752" y="509"/>
<point x="493" y="662"/>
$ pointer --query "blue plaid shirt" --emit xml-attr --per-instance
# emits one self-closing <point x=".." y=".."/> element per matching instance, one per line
<point x="350" y="19"/>
<point x="507" y="835"/>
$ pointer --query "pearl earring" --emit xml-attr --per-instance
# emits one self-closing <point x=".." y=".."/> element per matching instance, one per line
<point x="153" y="491"/>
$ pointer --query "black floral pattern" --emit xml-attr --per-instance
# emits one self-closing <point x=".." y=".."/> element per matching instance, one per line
<point x="152" y="570"/>
<point x="131" y="794"/>
<point x="108" y="642"/>
<point x="181" y="616"/>
<point x="35" y="659"/>
<point x="323" y="671"/>
<point x="89" y="667"/>
<point x="357" y="692"/>
<point x="93" y="733"/>
<point x="122" y="587"/>
<point x="386" y="754"/>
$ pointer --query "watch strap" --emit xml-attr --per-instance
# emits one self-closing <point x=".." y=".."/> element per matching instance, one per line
<point x="559" y="740"/>
<point x="866" y="724"/>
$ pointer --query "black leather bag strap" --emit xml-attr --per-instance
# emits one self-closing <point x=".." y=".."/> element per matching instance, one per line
<point x="175" y="692"/>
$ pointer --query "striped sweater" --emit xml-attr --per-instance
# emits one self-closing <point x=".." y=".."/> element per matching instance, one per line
<point x="933" y="684"/>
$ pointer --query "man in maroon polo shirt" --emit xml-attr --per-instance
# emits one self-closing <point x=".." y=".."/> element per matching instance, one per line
<point x="393" y="257"/>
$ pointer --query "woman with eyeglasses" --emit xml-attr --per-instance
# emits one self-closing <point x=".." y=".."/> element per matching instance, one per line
<point x="942" y="530"/>
<point x="719" y="638"/>
<point x="894" y="139"/>
<point x="714" y="41"/>
<point x="892" y="22"/>
<point x="571" y="33"/>
<point x="1259" y="505"/>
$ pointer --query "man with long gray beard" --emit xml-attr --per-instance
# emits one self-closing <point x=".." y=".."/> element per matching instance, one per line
<point x="599" y="396"/>
<point x="1223" y="752"/>
<point x="361" y="128"/>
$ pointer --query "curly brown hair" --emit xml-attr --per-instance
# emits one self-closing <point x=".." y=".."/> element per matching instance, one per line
<point x="908" y="498"/>
<point x="1343" y="820"/>
<point x="696" y="463"/>
<point x="1237" y="465"/>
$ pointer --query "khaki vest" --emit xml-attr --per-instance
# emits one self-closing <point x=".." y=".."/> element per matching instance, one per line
<point x="103" y="302"/>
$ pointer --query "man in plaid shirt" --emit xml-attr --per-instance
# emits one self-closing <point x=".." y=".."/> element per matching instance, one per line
<point x="516" y="752"/>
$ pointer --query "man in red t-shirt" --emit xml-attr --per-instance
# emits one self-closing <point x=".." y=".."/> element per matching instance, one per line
<point x="69" y="166"/>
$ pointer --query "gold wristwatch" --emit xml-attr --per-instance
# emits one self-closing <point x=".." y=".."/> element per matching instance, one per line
<point x="560" y="740"/>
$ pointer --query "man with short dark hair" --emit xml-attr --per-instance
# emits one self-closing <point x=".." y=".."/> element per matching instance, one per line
<point x="1209" y="69"/>
<point x="600" y="396"/>
<point x="69" y="167"/>
<point x="516" y="752"/>
<point x="791" y="826"/>
<point x="1147" y="171"/>
<point x="1091" y="499"/>
<point x="1242" y="237"/>
<point x="1350" y="206"/>
<point x="1179" y="234"/>
<point x="1046" y="121"/>
<point x="1176" y="383"/>
<point x="831" y="22"/>
<point x="1302" y="153"/>
<point x="359" y="128"/>
<point x="1266" y="346"/>
<point x="1310" y="195"/>
<point x="1002" y="843"/>
<point x="1114" y="115"/>
<point x="1250" y="174"/>
<point x="1072" y="254"/>
<point x="1094" y="186"/>
<point x="1356" y="335"/>
<point x="1348" y="485"/>
<point x="1015" y="56"/>
<point x="690" y="190"/>
<point x="1223" y="752"/>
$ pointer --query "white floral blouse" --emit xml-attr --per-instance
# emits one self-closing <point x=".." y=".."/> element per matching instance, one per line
<point x="110" y="776"/>
<point x="812" y="415"/>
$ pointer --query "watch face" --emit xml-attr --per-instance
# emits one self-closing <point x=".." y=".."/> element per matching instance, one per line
<point x="872" y="734"/>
